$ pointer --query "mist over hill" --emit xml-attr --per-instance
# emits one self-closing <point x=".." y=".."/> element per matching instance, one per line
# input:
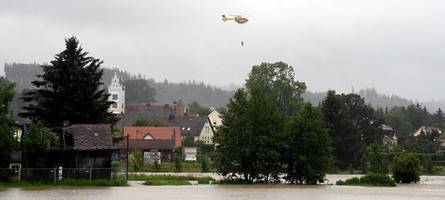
<point x="167" y="92"/>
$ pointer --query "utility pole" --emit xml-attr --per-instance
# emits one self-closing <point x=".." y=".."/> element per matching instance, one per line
<point x="126" y="171"/>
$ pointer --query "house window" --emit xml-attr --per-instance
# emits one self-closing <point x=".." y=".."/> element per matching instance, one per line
<point x="114" y="96"/>
<point x="207" y="129"/>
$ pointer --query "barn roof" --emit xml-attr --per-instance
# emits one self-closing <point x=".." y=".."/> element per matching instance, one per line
<point x="90" y="136"/>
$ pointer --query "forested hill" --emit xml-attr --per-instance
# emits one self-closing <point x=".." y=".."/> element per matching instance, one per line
<point x="166" y="92"/>
<point x="371" y="97"/>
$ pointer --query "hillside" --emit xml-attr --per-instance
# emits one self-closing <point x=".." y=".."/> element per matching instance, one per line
<point x="166" y="92"/>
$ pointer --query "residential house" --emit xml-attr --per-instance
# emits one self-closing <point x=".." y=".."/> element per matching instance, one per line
<point x="154" y="133"/>
<point x="155" y="143"/>
<point x="198" y="127"/>
<point x="425" y="130"/>
<point x="152" y="150"/>
<point x="389" y="136"/>
<point x="215" y="119"/>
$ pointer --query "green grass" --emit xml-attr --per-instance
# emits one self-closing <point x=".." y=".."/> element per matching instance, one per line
<point x="63" y="184"/>
<point x="167" y="167"/>
<point x="379" y="180"/>
<point x="170" y="180"/>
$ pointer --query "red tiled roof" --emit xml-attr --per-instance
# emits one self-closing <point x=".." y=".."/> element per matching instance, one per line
<point x="157" y="133"/>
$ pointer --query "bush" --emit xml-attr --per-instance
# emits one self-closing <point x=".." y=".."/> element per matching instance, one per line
<point x="205" y="164"/>
<point x="178" y="166"/>
<point x="406" y="168"/>
<point x="171" y="180"/>
<point x="156" y="166"/>
<point x="136" y="160"/>
<point x="370" y="180"/>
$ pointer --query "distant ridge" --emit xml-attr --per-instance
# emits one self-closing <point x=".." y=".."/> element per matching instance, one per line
<point x="166" y="92"/>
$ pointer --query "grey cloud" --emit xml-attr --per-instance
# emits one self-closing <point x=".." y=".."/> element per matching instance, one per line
<point x="393" y="45"/>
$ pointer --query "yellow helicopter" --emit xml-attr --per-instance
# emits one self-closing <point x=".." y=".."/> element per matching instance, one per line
<point x="237" y="18"/>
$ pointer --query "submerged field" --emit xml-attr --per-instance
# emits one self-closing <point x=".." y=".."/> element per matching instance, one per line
<point x="431" y="188"/>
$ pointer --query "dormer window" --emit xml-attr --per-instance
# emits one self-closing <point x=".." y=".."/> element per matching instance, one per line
<point x="148" y="137"/>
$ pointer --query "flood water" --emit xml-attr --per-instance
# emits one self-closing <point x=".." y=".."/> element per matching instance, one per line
<point x="430" y="188"/>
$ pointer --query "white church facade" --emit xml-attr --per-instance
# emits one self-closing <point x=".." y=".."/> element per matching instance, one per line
<point x="117" y="95"/>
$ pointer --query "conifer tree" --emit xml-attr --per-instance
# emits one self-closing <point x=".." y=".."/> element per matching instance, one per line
<point x="70" y="89"/>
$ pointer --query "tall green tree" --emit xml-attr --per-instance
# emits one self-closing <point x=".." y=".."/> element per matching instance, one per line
<point x="377" y="161"/>
<point x="307" y="148"/>
<point x="438" y="119"/>
<point x="36" y="145"/>
<point x="69" y="90"/>
<point x="352" y="126"/>
<point x="234" y="139"/>
<point x="139" y="91"/>
<point x="277" y="80"/>
<point x="195" y="107"/>
<point x="8" y="143"/>
<point x="247" y="142"/>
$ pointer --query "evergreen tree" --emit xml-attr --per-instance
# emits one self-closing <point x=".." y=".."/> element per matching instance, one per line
<point x="139" y="91"/>
<point x="353" y="125"/>
<point x="306" y="153"/>
<point x="377" y="162"/>
<point x="235" y="139"/>
<point x="8" y="143"/>
<point x="195" y="107"/>
<point x="69" y="90"/>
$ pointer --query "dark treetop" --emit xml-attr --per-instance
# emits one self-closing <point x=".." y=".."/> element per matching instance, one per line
<point x="69" y="90"/>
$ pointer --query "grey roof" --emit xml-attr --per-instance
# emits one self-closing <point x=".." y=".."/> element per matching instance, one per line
<point x="386" y="127"/>
<point x="90" y="136"/>
<point x="188" y="124"/>
<point x="151" y="110"/>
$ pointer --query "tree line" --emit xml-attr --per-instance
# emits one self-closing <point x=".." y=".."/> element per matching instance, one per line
<point x="269" y="132"/>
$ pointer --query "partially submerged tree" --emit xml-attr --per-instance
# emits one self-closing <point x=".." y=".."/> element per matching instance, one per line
<point x="306" y="153"/>
<point x="256" y="145"/>
<point x="406" y="168"/>
<point x="352" y="124"/>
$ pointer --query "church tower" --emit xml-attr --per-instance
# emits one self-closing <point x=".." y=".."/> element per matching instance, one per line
<point x="117" y="95"/>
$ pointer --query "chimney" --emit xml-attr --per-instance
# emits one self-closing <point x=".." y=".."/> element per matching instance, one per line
<point x="179" y="108"/>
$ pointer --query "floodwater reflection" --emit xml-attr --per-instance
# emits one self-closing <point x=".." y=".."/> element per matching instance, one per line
<point x="435" y="190"/>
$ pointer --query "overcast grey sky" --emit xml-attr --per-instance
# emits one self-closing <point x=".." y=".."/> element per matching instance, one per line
<point x="396" y="46"/>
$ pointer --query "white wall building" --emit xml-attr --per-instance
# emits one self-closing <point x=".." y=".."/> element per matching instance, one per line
<point x="117" y="95"/>
<point x="215" y="119"/>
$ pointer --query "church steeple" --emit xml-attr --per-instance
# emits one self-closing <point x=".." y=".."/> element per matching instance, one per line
<point x="117" y="95"/>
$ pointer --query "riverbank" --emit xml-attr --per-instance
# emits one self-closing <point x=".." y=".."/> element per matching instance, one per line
<point x="64" y="184"/>
<point x="234" y="192"/>
<point x="157" y="180"/>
